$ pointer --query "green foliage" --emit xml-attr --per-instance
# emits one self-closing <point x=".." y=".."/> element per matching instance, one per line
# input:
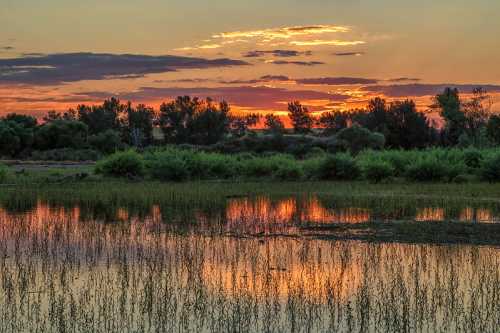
<point x="16" y="134"/>
<point x="3" y="173"/>
<point x="167" y="167"/>
<point x="300" y="117"/>
<point x="61" y="134"/>
<point x="289" y="170"/>
<point x="473" y="158"/>
<point x="122" y="164"/>
<point x="338" y="167"/>
<point x="427" y="169"/>
<point x="187" y="120"/>
<point x="376" y="170"/>
<point x="490" y="170"/>
<point x="356" y="139"/>
<point x="106" y="142"/>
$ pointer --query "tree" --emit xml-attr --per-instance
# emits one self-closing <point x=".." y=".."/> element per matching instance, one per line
<point x="61" y="134"/>
<point x="239" y="125"/>
<point x="138" y="127"/>
<point x="187" y="120"/>
<point x="356" y="139"/>
<point x="16" y="133"/>
<point x="274" y="124"/>
<point x="332" y="122"/>
<point x="406" y="127"/>
<point x="300" y="117"/>
<point x="449" y="105"/>
<point x="102" y="117"/>
<point x="106" y="142"/>
<point x="493" y="129"/>
<point x="476" y="112"/>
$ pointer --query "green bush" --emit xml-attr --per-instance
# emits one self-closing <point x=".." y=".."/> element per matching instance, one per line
<point x="490" y="170"/>
<point x="122" y="164"/>
<point x="377" y="170"/>
<point x="167" y="167"/>
<point x="338" y="167"/>
<point x="289" y="171"/>
<point x="3" y="173"/>
<point x="427" y="169"/>
<point x="473" y="158"/>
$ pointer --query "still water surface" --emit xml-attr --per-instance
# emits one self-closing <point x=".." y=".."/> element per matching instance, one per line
<point x="240" y="267"/>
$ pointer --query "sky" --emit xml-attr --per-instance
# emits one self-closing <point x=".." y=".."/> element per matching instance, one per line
<point x="258" y="55"/>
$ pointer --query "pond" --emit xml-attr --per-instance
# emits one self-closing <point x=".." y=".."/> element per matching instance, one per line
<point x="244" y="266"/>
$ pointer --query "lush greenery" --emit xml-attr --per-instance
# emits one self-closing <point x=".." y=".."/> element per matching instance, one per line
<point x="432" y="165"/>
<point x="92" y="131"/>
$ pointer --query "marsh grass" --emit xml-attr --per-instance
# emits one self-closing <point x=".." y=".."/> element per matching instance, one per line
<point x="60" y="272"/>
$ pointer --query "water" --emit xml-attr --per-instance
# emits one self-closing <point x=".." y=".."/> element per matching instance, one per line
<point x="245" y="266"/>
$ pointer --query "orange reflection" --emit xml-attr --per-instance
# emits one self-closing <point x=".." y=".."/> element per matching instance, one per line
<point x="430" y="214"/>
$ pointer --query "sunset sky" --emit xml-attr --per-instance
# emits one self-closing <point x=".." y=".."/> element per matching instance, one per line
<point x="258" y="55"/>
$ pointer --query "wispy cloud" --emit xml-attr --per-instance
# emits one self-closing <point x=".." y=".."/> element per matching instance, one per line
<point x="422" y="89"/>
<point x="323" y="42"/>
<point x="277" y="53"/>
<point x="349" y="54"/>
<point x="298" y="63"/>
<point x="70" y="67"/>
<point x="336" y="81"/>
<point x="284" y="32"/>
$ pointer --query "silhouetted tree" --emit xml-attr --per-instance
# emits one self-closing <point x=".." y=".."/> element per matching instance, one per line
<point x="332" y="122"/>
<point x="449" y="105"/>
<point x="61" y="134"/>
<point x="493" y="129"/>
<point x="16" y="133"/>
<point x="106" y="142"/>
<point x="102" y="117"/>
<point x="187" y="120"/>
<point x="406" y="127"/>
<point x="274" y="125"/>
<point x="356" y="139"/>
<point x="239" y="125"/>
<point x="300" y="117"/>
<point x="138" y="127"/>
<point x="476" y="112"/>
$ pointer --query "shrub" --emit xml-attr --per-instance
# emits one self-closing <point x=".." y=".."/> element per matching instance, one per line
<point x="3" y="173"/>
<point x="107" y="142"/>
<point x="491" y="169"/>
<point x="427" y="169"/>
<point x="473" y="158"/>
<point x="289" y="171"/>
<point x="167" y="167"/>
<point x="264" y="166"/>
<point x="356" y="139"/>
<point x="122" y="164"/>
<point x="338" y="167"/>
<point x="377" y="170"/>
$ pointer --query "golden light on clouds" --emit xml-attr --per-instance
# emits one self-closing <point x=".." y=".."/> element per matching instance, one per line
<point x="334" y="42"/>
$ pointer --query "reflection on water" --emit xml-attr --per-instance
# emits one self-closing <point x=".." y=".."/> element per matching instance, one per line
<point x="63" y="270"/>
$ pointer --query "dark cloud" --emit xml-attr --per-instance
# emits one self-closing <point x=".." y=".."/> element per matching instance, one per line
<point x="348" y="54"/>
<point x="418" y="90"/>
<point x="277" y="53"/>
<point x="337" y="81"/>
<point x="275" y="78"/>
<point x="6" y="48"/>
<point x="262" y="79"/>
<point x="71" y="67"/>
<point x="299" y="63"/>
<point x="243" y="96"/>
<point x="403" y="79"/>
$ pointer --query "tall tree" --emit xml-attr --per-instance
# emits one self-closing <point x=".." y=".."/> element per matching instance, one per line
<point x="332" y="122"/>
<point x="138" y="127"/>
<point x="188" y="120"/>
<point x="407" y="128"/>
<point x="103" y="117"/>
<point x="300" y="117"/>
<point x="449" y="105"/>
<point x="274" y="125"/>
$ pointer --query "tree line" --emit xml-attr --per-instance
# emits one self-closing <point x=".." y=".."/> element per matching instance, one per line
<point x="114" y="125"/>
